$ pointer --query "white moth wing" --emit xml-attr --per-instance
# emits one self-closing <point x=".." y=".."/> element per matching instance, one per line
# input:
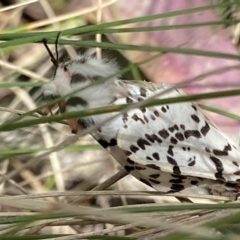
<point x="179" y="139"/>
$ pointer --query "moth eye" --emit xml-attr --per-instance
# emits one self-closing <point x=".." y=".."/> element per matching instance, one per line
<point x="77" y="78"/>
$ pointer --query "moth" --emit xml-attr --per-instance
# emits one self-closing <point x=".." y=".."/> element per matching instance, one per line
<point x="169" y="147"/>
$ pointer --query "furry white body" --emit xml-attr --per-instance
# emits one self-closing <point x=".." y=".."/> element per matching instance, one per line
<point x="168" y="147"/>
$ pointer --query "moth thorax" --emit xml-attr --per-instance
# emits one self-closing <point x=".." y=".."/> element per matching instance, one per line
<point x="93" y="67"/>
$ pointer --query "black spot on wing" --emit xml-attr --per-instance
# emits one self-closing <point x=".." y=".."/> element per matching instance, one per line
<point x="231" y="185"/>
<point x="142" y="143"/>
<point x="153" y="117"/>
<point x="163" y="133"/>
<point x="129" y="168"/>
<point x="192" y="133"/>
<point x="170" y="151"/>
<point x="156" y="156"/>
<point x="176" y="170"/>
<point x="85" y="124"/>
<point x="105" y="144"/>
<point x="143" y="92"/>
<point x="129" y="100"/>
<point x="205" y="129"/>
<point x="125" y="117"/>
<point x="140" y="168"/>
<point x="163" y="109"/>
<point x="74" y="101"/>
<point x="156" y="113"/>
<point x="154" y="181"/>
<point x="219" y="168"/>
<point x="194" y="107"/>
<point x="235" y="163"/>
<point x="145" y="119"/>
<point x="173" y="128"/>
<point x="77" y="78"/>
<point x="223" y="152"/>
<point x="176" y="180"/>
<point x="152" y="138"/>
<point x="228" y="147"/>
<point x="130" y="161"/>
<point x="179" y="136"/>
<point x="153" y="166"/>
<point x="219" y="176"/>
<point x="207" y="150"/>
<point x="194" y="182"/>
<point x="145" y="181"/>
<point x="154" y="175"/>
<point x="178" y="176"/>
<point x="128" y="153"/>
<point x="133" y="148"/>
<point x="195" y="118"/>
<point x="173" y="140"/>
<point x="177" y="187"/>
<point x="136" y="118"/>
<point x="217" y="163"/>
<point x="219" y="152"/>
<point x="191" y="161"/>
<point x="113" y="142"/>
<point x="182" y="127"/>
<point x="172" y="161"/>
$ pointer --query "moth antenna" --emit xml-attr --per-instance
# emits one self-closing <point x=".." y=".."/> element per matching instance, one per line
<point x="56" y="45"/>
<point x="53" y="59"/>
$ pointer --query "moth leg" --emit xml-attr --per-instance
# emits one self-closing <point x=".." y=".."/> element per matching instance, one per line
<point x="62" y="106"/>
<point x="47" y="110"/>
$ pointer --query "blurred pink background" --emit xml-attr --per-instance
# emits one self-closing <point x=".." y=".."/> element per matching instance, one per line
<point x="174" y="68"/>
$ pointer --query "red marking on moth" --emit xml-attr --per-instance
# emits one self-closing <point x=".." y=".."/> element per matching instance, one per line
<point x="73" y="125"/>
<point x="48" y="110"/>
<point x="66" y="72"/>
<point x="72" y="122"/>
<point x="62" y="106"/>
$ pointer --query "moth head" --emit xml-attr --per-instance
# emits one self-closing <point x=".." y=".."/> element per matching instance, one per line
<point x="79" y="73"/>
